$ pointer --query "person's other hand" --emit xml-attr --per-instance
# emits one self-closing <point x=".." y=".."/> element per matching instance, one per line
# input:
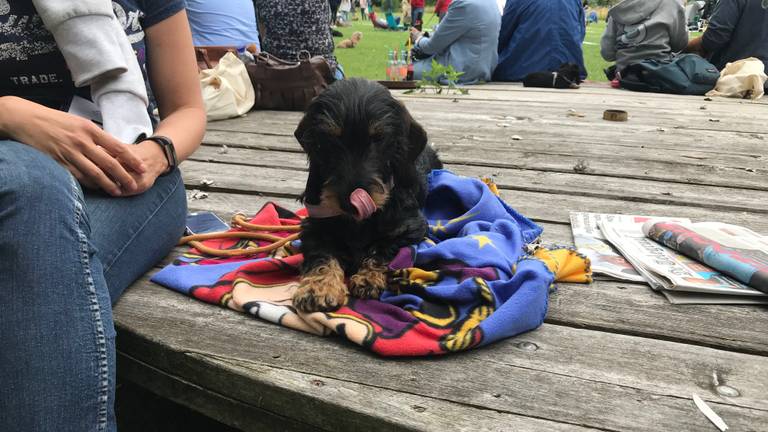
<point x="415" y="35"/>
<point x="153" y="157"/>
<point x="94" y="157"/>
<point x="695" y="47"/>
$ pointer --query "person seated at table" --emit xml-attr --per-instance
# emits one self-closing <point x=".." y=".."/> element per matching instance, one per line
<point x="640" y="30"/>
<point x="466" y="40"/>
<point x="228" y="23"/>
<point x="540" y="36"/>
<point x="737" y="29"/>
<point x="292" y="26"/>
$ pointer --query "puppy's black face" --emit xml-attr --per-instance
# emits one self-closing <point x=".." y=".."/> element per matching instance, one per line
<point x="357" y="136"/>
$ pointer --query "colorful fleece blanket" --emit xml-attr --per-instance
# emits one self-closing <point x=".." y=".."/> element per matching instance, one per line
<point x="478" y="277"/>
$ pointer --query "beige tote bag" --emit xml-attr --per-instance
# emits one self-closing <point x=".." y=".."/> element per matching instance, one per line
<point x="227" y="89"/>
<point x="742" y="79"/>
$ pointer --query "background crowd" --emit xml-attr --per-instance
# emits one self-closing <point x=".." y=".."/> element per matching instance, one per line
<point x="496" y="40"/>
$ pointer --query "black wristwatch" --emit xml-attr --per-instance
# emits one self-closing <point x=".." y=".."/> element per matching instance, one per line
<point x="168" y="149"/>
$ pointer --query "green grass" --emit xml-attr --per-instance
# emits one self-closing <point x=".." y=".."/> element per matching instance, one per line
<point x="369" y="58"/>
<point x="592" y="59"/>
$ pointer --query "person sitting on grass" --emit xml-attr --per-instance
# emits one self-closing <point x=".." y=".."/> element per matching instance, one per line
<point x="466" y="40"/>
<point x="540" y="36"/>
<point x="738" y="29"/>
<point x="640" y="30"/>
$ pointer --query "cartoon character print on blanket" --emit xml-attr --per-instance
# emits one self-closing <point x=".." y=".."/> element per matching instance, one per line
<point x="474" y="280"/>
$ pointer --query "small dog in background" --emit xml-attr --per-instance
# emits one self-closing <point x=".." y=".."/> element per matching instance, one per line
<point x="568" y="76"/>
<point x="352" y="41"/>
<point x="367" y="182"/>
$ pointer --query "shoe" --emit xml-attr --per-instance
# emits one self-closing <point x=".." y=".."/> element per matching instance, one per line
<point x="336" y="33"/>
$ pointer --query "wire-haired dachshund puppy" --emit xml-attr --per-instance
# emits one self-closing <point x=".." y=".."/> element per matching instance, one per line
<point x="368" y="164"/>
<point x="568" y="76"/>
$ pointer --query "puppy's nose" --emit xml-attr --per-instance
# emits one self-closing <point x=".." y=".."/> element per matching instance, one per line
<point x="363" y="203"/>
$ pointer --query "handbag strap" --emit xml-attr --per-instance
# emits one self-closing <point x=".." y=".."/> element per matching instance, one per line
<point x="203" y="55"/>
<point x="239" y="221"/>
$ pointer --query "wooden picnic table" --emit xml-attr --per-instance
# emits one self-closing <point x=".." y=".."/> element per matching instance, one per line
<point x="611" y="356"/>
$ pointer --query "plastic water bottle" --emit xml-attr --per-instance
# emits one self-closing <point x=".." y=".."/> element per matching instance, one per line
<point x="402" y="66"/>
<point x="390" y="66"/>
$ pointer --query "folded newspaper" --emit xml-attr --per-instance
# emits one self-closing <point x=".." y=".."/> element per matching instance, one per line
<point x="618" y="247"/>
<point x="681" y="279"/>
<point x="591" y="242"/>
<point x="733" y="250"/>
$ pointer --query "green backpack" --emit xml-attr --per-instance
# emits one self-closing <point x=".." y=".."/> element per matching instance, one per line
<point x="685" y="74"/>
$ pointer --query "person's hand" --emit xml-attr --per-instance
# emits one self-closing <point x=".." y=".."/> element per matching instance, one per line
<point x="695" y="47"/>
<point x="95" y="158"/>
<point x="415" y="35"/>
<point x="153" y="157"/>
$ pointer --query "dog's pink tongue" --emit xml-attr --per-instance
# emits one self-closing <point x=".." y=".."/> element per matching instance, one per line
<point x="363" y="203"/>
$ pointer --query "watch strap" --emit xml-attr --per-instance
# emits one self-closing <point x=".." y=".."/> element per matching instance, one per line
<point x="169" y="150"/>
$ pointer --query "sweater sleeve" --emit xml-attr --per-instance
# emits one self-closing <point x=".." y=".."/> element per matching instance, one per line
<point x="78" y="24"/>
<point x="721" y="26"/>
<point x="99" y="55"/>
<point x="679" y="35"/>
<point x="450" y="29"/>
<point x="608" y="41"/>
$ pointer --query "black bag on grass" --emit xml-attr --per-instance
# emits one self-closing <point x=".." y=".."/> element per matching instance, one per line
<point x="686" y="74"/>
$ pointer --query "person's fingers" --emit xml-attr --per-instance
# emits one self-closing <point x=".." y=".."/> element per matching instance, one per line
<point x="110" y="166"/>
<point x="78" y="175"/>
<point x="91" y="172"/>
<point x="120" y="151"/>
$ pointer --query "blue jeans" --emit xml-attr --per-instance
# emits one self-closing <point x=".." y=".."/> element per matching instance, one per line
<point x="417" y="16"/>
<point x="65" y="257"/>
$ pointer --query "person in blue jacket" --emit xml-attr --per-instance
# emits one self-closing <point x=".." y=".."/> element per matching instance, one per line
<point x="539" y="36"/>
<point x="465" y="39"/>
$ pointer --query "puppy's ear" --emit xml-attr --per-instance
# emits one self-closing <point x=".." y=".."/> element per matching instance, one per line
<point x="301" y="130"/>
<point x="417" y="137"/>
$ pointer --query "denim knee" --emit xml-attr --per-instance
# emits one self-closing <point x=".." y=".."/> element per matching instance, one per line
<point x="32" y="184"/>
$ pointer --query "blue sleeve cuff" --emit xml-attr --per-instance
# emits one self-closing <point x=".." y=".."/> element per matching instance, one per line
<point x="157" y="11"/>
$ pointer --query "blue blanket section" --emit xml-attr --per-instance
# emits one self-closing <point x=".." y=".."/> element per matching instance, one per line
<point x="477" y="243"/>
<point x="470" y="283"/>
<point x="182" y="278"/>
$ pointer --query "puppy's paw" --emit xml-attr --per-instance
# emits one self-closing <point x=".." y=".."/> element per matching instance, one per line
<point x="321" y="289"/>
<point x="369" y="281"/>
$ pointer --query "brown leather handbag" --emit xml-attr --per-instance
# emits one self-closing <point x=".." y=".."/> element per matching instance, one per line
<point x="288" y="86"/>
<point x="208" y="56"/>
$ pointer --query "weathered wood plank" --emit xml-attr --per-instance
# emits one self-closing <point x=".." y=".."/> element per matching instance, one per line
<point x="218" y="406"/>
<point x="603" y="89"/>
<point x="560" y="127"/>
<point x="467" y="112"/>
<point x="283" y="182"/>
<point x="625" y="99"/>
<point x="681" y="148"/>
<point x="635" y="309"/>
<point x="604" y="165"/>
<point x="541" y="207"/>
<point x="276" y="387"/>
<point x="580" y="377"/>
